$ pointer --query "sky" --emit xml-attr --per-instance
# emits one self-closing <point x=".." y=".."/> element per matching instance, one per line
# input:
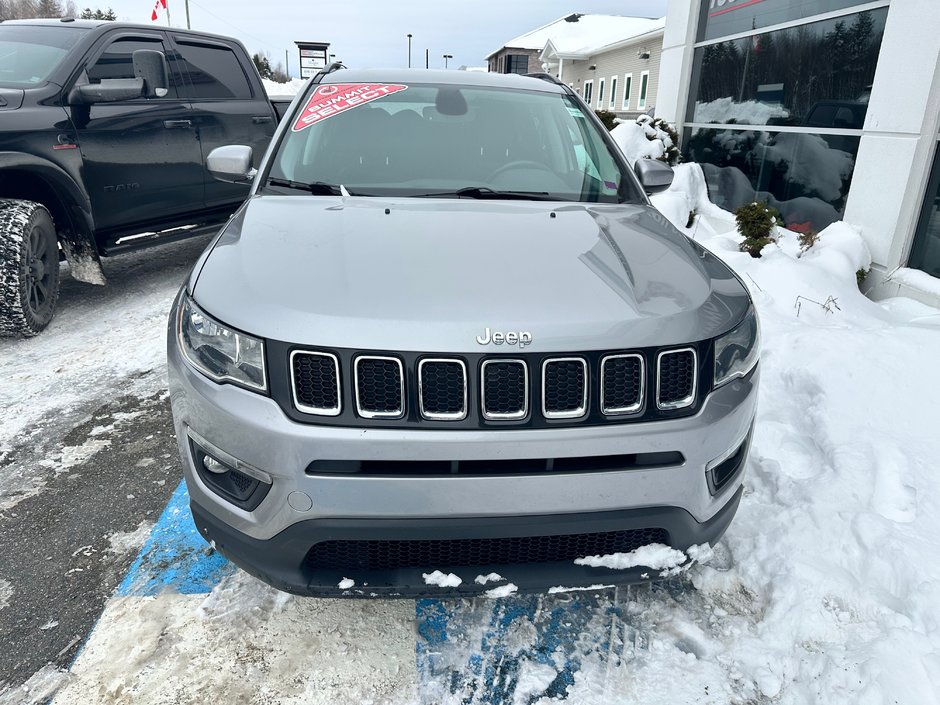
<point x="373" y="33"/>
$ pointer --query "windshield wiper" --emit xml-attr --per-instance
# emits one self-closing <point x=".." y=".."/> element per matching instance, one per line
<point x="317" y="188"/>
<point x="485" y="192"/>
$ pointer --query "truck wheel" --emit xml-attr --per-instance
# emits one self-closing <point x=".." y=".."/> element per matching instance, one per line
<point x="29" y="268"/>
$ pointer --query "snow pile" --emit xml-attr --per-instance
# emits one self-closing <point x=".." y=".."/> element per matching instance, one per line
<point x="655" y="555"/>
<point x="489" y="578"/>
<point x="748" y="112"/>
<point x="826" y="586"/>
<point x="346" y="584"/>
<point x="633" y="140"/>
<point x="283" y="90"/>
<point x="502" y="591"/>
<point x="441" y="579"/>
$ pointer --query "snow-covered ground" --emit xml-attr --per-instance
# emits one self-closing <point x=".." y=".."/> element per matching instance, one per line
<point x="824" y="590"/>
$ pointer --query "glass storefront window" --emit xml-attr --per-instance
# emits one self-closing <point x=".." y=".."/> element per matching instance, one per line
<point x="804" y="176"/>
<point x="925" y="254"/>
<point x="814" y="75"/>
<point x="722" y="18"/>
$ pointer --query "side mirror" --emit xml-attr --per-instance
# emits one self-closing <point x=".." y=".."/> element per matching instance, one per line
<point x="654" y="175"/>
<point x="151" y="67"/>
<point x="231" y="164"/>
<point x="109" y="90"/>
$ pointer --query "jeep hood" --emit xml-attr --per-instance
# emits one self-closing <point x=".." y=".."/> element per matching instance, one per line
<point x="432" y="275"/>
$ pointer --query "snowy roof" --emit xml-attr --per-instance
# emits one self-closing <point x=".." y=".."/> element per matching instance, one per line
<point x="584" y="34"/>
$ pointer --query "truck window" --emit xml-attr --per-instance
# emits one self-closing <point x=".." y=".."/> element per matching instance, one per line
<point x="214" y="72"/>
<point x="117" y="61"/>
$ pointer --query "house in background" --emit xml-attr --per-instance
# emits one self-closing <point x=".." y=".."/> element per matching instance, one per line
<point x="616" y="69"/>
<point x="610" y="60"/>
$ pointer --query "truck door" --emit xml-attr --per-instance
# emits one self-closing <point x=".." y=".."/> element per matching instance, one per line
<point x="141" y="157"/>
<point x="228" y="107"/>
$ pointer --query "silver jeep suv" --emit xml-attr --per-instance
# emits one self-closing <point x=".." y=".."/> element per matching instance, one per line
<point x="448" y="332"/>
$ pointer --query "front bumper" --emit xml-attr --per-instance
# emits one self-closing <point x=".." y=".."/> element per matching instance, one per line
<point x="273" y="539"/>
<point x="281" y="560"/>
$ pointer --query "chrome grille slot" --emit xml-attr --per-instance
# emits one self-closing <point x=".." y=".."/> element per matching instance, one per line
<point x="380" y="387"/>
<point x="564" y="388"/>
<point x="442" y="389"/>
<point x="315" y="382"/>
<point x="676" y="378"/>
<point x="505" y="390"/>
<point x="622" y="384"/>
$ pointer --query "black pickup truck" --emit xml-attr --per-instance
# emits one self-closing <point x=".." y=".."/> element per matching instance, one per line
<point x="104" y="130"/>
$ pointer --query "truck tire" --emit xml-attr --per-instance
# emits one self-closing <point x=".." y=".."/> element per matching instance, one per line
<point x="29" y="268"/>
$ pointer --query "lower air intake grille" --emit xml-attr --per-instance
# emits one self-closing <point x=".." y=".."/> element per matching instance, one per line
<point x="379" y="387"/>
<point x="676" y="383"/>
<point x="457" y="553"/>
<point x="505" y="389"/>
<point x="316" y="383"/>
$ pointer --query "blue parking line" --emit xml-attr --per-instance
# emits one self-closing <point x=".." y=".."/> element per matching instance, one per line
<point x="489" y="631"/>
<point x="175" y="558"/>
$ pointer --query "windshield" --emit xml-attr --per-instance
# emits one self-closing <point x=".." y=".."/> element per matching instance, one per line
<point x="445" y="140"/>
<point x="28" y="54"/>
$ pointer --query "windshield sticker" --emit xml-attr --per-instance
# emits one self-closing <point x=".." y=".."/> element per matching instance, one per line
<point x="575" y="112"/>
<point x="335" y="98"/>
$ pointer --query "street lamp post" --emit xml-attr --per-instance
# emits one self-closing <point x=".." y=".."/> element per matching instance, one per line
<point x="409" y="50"/>
<point x="446" y="57"/>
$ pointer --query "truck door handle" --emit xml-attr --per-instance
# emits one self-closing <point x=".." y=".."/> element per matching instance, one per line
<point x="261" y="119"/>
<point x="171" y="124"/>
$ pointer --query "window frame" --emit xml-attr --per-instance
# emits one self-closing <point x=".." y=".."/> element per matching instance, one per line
<point x="600" y="93"/>
<point x="643" y="96"/>
<point x="200" y="42"/>
<point x="613" y="93"/>
<point x="588" y="94"/>
<point x="627" y="89"/>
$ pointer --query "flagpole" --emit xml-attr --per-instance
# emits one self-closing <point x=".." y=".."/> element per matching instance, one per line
<point x="187" y="15"/>
<point x="168" y="14"/>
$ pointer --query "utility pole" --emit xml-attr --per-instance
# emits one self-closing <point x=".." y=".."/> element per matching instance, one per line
<point x="187" y="15"/>
<point x="287" y="63"/>
<point x="409" y="50"/>
<point x="446" y="57"/>
<point x="427" y="58"/>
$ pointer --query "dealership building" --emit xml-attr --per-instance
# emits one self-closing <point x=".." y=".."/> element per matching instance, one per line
<point x="826" y="109"/>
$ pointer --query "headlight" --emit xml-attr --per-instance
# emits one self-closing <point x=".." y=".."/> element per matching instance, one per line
<point x="737" y="352"/>
<point x="220" y="353"/>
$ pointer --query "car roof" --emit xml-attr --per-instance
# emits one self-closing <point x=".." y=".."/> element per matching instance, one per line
<point x="440" y="76"/>
<point x="97" y="24"/>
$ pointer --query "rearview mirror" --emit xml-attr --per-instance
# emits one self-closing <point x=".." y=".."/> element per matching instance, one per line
<point x="654" y="175"/>
<point x="150" y="66"/>
<point x="231" y="163"/>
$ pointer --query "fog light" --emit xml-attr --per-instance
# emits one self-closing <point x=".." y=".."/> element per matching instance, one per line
<point x="214" y="466"/>
<point x="227" y="476"/>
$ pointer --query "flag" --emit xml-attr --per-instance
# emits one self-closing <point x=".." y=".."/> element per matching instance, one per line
<point x="160" y="5"/>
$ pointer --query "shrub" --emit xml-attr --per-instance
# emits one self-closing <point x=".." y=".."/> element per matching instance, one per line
<point x="807" y="240"/>
<point x="860" y="276"/>
<point x="657" y="129"/>
<point x="608" y="118"/>
<point x="756" y="221"/>
<point x="691" y="221"/>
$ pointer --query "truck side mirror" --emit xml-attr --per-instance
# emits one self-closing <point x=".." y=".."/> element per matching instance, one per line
<point x="231" y="163"/>
<point x="109" y="90"/>
<point x="654" y="175"/>
<point x="150" y="65"/>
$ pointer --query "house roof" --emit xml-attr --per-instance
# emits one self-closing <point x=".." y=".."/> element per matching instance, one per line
<point x="579" y="34"/>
